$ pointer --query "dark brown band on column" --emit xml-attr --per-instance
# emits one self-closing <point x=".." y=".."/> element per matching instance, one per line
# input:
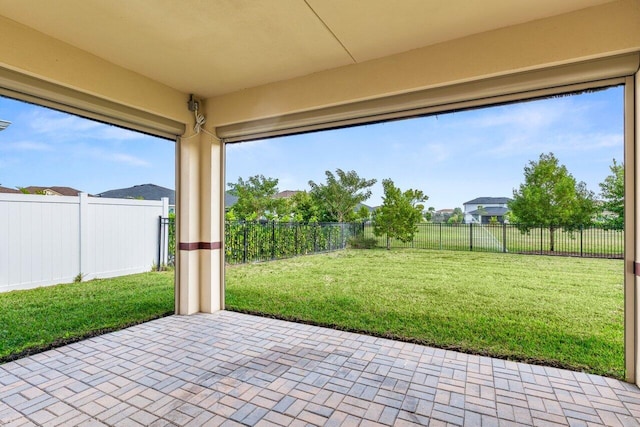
<point x="194" y="246"/>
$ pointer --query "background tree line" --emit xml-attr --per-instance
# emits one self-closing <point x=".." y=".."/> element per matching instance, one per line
<point x="549" y="197"/>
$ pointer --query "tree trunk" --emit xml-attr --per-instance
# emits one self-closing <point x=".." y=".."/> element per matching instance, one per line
<point x="388" y="243"/>
<point x="552" y="230"/>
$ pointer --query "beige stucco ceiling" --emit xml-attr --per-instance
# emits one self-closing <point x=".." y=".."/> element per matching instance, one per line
<point x="221" y="46"/>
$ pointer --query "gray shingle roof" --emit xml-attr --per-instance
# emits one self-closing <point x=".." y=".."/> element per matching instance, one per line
<point x="488" y="200"/>
<point x="9" y="190"/>
<point x="144" y="191"/>
<point x="490" y="211"/>
<point x="229" y="199"/>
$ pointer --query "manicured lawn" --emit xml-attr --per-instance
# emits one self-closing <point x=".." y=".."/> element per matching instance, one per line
<point x="41" y="318"/>
<point x="559" y="311"/>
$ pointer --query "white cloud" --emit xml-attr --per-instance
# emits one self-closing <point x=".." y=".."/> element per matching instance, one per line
<point x="25" y="146"/>
<point x="126" y="159"/>
<point x="57" y="127"/>
<point x="556" y="143"/>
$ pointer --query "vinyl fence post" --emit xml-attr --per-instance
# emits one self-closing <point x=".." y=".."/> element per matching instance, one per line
<point x="160" y="243"/>
<point x="85" y="233"/>
<point x="164" y="259"/>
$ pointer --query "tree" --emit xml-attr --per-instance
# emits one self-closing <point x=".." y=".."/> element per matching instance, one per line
<point x="457" y="217"/>
<point x="551" y="197"/>
<point x="612" y="193"/>
<point x="400" y="213"/>
<point x="337" y="199"/>
<point x="303" y="208"/>
<point x="429" y="214"/>
<point x="255" y="198"/>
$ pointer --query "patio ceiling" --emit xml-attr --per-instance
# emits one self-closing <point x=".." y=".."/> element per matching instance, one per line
<point x="216" y="47"/>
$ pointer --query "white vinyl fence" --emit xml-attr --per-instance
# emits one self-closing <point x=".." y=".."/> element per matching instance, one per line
<point x="45" y="240"/>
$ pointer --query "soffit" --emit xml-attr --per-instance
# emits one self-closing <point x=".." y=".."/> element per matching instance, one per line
<point x="221" y="46"/>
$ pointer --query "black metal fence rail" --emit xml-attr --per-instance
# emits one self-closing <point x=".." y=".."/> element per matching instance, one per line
<point x="584" y="242"/>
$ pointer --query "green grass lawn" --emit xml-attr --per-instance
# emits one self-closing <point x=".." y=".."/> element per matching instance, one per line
<point x="559" y="311"/>
<point x="37" y="319"/>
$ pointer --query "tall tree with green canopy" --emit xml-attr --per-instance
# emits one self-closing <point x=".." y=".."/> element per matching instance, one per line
<point x="256" y="198"/>
<point x="339" y="196"/>
<point x="400" y="213"/>
<point x="612" y="193"/>
<point x="302" y="208"/>
<point x="550" y="197"/>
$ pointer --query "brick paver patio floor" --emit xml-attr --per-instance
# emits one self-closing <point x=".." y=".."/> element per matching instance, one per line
<point x="235" y="369"/>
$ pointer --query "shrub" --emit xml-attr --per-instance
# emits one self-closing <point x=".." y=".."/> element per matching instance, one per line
<point x="360" y="242"/>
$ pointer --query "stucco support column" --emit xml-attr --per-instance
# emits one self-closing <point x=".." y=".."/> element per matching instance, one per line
<point x="632" y="230"/>
<point x="199" y="273"/>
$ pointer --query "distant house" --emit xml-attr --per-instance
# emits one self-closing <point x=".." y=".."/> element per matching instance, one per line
<point x="286" y="194"/>
<point x="143" y="191"/>
<point x="53" y="191"/>
<point x="229" y="200"/>
<point x="6" y="190"/>
<point x="442" y="215"/>
<point x="482" y="209"/>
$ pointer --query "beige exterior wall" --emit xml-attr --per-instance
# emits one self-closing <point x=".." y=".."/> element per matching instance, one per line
<point x="589" y="33"/>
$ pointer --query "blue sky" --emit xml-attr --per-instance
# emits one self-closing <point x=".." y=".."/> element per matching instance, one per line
<point x="452" y="157"/>
<point x="43" y="147"/>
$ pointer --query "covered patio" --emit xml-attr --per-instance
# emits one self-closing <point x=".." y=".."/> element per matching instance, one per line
<point x="234" y="369"/>
<point x="208" y="74"/>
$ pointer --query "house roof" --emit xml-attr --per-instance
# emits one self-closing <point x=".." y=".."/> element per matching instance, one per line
<point x="6" y="190"/>
<point x="229" y="199"/>
<point x="143" y="191"/>
<point x="285" y="194"/>
<point x="62" y="191"/>
<point x="488" y="200"/>
<point x="360" y="205"/>
<point x="444" y="211"/>
<point x="490" y="211"/>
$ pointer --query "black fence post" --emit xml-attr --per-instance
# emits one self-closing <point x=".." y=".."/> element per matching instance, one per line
<point x="440" y="239"/>
<point x="245" y="242"/>
<point x="273" y="239"/>
<point x="541" y="249"/>
<point x="504" y="237"/>
<point x="581" y="227"/>
<point x="471" y="236"/>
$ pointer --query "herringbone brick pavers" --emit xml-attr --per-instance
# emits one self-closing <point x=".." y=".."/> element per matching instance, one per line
<point x="234" y="369"/>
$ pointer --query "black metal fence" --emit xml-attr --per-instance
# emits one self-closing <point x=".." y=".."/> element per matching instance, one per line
<point x="263" y="241"/>
<point x="584" y="242"/>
